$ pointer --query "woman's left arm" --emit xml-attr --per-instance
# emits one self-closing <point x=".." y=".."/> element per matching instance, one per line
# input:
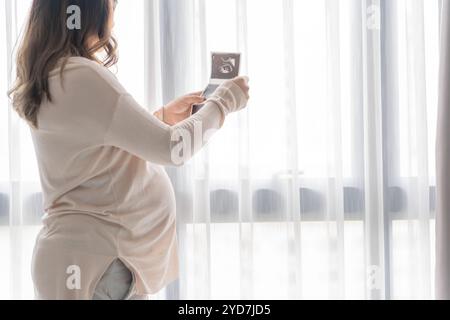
<point x="179" y="109"/>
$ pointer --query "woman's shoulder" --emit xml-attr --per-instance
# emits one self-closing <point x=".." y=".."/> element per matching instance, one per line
<point x="87" y="71"/>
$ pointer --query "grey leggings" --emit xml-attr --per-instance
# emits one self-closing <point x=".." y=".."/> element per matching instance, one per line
<point x="117" y="283"/>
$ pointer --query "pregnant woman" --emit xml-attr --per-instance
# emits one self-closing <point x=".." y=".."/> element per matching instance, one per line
<point x="109" y="227"/>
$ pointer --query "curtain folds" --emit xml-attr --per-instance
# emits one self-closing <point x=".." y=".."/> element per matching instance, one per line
<point x="324" y="188"/>
<point x="443" y="160"/>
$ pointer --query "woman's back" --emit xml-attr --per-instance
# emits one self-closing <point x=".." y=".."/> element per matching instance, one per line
<point x="98" y="197"/>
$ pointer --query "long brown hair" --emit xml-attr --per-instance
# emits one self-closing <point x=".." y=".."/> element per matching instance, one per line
<point x="47" y="40"/>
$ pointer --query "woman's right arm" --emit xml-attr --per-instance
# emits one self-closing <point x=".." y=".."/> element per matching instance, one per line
<point x="140" y="133"/>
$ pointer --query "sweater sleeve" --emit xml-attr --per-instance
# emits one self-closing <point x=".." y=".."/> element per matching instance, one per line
<point x="140" y="133"/>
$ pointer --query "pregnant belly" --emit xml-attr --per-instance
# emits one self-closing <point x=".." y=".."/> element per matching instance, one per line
<point x="152" y="204"/>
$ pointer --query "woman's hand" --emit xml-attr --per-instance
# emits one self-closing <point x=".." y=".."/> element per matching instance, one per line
<point x="232" y="95"/>
<point x="179" y="109"/>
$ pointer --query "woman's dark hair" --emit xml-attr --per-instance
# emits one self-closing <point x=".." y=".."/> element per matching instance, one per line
<point x="48" y="39"/>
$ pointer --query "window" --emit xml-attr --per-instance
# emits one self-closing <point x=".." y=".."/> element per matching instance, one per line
<point x="322" y="188"/>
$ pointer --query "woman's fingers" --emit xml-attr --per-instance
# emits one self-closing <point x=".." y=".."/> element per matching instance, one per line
<point x="197" y="93"/>
<point x="193" y="99"/>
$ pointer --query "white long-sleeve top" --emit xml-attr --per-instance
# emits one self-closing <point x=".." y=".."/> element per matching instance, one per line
<point x="106" y="194"/>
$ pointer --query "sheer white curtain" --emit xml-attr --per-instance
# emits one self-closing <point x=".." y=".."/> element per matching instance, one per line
<point x="323" y="188"/>
<point x="442" y="157"/>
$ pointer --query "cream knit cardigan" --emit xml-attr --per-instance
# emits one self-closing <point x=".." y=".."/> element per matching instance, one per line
<point x="106" y="194"/>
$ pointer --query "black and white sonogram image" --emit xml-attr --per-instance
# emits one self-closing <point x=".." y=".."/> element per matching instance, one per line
<point x="225" y="65"/>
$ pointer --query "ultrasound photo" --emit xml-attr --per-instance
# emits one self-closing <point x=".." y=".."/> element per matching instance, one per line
<point x="224" y="66"/>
